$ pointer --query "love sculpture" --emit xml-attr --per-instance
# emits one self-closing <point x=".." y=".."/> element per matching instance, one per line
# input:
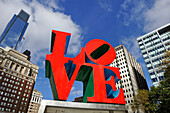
<point x="90" y="66"/>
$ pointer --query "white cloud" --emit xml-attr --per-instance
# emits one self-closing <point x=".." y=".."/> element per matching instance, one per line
<point x="148" y="15"/>
<point x="76" y="93"/>
<point x="50" y="3"/>
<point x="41" y="82"/>
<point x="41" y="22"/>
<point x="73" y="88"/>
<point x="105" y="4"/>
<point x="124" y="5"/>
<point x="132" y="11"/>
<point x="157" y="16"/>
<point x="132" y="45"/>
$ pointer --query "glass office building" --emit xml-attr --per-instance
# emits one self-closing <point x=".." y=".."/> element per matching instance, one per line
<point x="14" y="30"/>
<point x="153" y="46"/>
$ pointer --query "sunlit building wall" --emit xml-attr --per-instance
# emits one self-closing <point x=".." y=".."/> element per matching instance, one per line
<point x="35" y="102"/>
<point x="132" y="76"/>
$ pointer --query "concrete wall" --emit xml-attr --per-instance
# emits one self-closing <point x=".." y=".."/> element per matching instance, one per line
<point x="51" y="106"/>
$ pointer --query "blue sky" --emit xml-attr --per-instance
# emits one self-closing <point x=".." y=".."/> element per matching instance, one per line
<point x="115" y="21"/>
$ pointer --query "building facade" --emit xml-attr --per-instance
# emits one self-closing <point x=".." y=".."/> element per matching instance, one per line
<point x="153" y="46"/>
<point x="14" y="30"/>
<point x="17" y="78"/>
<point x="35" y="102"/>
<point x="132" y="77"/>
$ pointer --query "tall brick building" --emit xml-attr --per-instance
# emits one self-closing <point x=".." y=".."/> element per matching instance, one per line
<point x="17" y="78"/>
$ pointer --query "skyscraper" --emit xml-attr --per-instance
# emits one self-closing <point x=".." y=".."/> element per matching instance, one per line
<point x="132" y="77"/>
<point x="153" y="46"/>
<point x="14" y="30"/>
<point x="17" y="79"/>
<point x="35" y="102"/>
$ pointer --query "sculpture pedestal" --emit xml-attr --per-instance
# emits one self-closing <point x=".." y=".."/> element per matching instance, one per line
<point x="52" y="106"/>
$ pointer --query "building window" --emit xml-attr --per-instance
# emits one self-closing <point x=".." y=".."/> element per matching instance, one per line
<point x="0" y="60"/>
<point x="21" y="69"/>
<point x="4" y="103"/>
<point x="5" y="94"/>
<point x="7" y="63"/>
<point x="9" y="90"/>
<point x="16" y="67"/>
<point x="12" y="64"/>
<point x="8" y="104"/>
<point x="2" y="109"/>
<point x="130" y="95"/>
<point x="26" y="71"/>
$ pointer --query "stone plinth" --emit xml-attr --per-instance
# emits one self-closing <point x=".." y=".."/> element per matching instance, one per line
<point x="52" y="106"/>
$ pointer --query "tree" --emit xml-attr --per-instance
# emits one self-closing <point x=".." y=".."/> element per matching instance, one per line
<point x="157" y="100"/>
<point x="159" y="97"/>
<point x="166" y="60"/>
<point x="140" y="100"/>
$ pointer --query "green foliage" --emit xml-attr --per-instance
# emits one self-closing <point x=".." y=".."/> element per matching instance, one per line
<point x="157" y="100"/>
<point x="140" y="100"/>
<point x="159" y="97"/>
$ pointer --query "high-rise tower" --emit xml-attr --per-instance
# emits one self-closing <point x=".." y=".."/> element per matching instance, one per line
<point x="153" y="46"/>
<point x="132" y="76"/>
<point x="14" y="30"/>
